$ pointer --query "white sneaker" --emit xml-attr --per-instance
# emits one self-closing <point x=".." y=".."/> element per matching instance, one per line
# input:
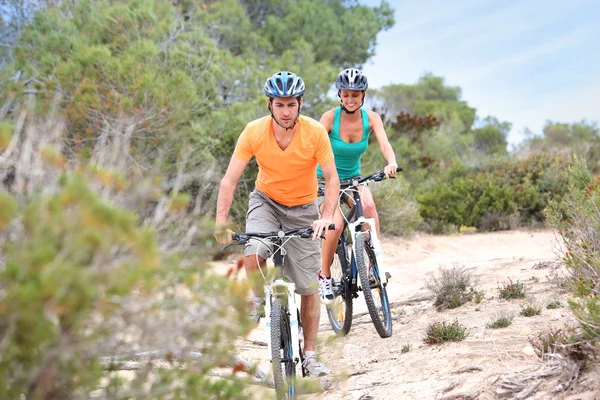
<point x="315" y="368"/>
<point x="256" y="310"/>
<point x="325" y="289"/>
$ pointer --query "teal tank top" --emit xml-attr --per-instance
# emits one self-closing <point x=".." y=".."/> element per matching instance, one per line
<point x="347" y="155"/>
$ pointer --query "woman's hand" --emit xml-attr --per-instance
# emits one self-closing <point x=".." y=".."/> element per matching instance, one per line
<point x="390" y="170"/>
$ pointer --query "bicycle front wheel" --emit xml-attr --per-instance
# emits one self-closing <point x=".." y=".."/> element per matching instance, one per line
<point x="372" y="287"/>
<point x="339" y="311"/>
<point x="282" y="356"/>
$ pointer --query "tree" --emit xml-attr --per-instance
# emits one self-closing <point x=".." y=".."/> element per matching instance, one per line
<point x="341" y="33"/>
<point x="565" y="139"/>
<point x="490" y="138"/>
<point x="430" y="96"/>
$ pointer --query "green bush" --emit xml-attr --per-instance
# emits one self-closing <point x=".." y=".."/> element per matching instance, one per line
<point x="498" y="196"/>
<point x="501" y="320"/>
<point x="440" y="332"/>
<point x="512" y="290"/>
<point x="398" y="213"/>
<point x="577" y="220"/>
<point x="531" y="310"/>
<point x="83" y="282"/>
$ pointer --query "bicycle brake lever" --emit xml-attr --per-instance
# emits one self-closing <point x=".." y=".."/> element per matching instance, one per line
<point x="228" y="245"/>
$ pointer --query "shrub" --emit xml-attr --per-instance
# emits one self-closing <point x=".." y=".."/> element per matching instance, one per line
<point x="479" y="295"/>
<point x="577" y="220"/>
<point x="398" y="213"/>
<point x="501" y="320"/>
<point x="452" y="287"/>
<point x="500" y="195"/>
<point x="82" y="283"/>
<point x="440" y="332"/>
<point x="512" y="290"/>
<point x="554" y="304"/>
<point x="531" y="309"/>
<point x="405" y="348"/>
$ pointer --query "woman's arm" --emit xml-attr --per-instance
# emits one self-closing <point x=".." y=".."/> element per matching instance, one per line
<point x="384" y="144"/>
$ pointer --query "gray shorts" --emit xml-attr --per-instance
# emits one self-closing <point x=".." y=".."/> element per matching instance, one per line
<point x="303" y="256"/>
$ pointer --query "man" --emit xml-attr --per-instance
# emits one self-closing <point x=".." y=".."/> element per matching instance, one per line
<point x="287" y="147"/>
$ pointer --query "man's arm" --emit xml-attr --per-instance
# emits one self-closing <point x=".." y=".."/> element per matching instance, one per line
<point x="332" y="190"/>
<point x="227" y="188"/>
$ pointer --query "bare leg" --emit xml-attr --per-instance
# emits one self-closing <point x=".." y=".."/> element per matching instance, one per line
<point x="251" y="264"/>
<point x="369" y="206"/>
<point x="309" y="317"/>
<point x="329" y="245"/>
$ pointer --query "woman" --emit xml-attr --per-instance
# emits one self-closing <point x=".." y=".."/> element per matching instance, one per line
<point x="349" y="126"/>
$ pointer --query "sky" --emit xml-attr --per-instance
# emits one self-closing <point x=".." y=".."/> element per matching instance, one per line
<point x="522" y="61"/>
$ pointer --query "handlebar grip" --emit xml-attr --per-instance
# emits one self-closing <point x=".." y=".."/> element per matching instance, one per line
<point x="399" y="168"/>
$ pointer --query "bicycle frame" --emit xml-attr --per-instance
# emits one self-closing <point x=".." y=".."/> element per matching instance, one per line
<point x="271" y="290"/>
<point x="355" y="228"/>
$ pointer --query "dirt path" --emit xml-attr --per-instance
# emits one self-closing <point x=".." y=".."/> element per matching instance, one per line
<point x="368" y="367"/>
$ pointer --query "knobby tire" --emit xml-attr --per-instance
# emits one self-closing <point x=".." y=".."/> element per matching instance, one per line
<point x="281" y="352"/>
<point x="340" y="271"/>
<point x="382" y="325"/>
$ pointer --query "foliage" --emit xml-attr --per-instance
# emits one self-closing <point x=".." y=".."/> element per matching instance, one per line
<point x="440" y="332"/>
<point x="566" y="342"/>
<point x="531" y="309"/>
<point x="491" y="197"/>
<point x="565" y="139"/>
<point x="429" y="96"/>
<point x="512" y="290"/>
<point x="501" y="320"/>
<point x="398" y="213"/>
<point x="478" y="296"/>
<point x="102" y="268"/>
<point x="328" y="26"/>
<point x="577" y="219"/>
<point x="554" y="304"/>
<point x="490" y="137"/>
<point x="452" y="287"/>
<point x="83" y="281"/>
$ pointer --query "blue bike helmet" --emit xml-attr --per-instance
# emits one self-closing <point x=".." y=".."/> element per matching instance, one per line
<point x="284" y="84"/>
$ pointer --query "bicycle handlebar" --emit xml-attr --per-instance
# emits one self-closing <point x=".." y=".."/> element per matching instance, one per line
<point x="345" y="184"/>
<point x="305" y="233"/>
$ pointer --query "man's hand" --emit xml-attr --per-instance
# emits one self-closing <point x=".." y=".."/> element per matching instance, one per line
<point x="223" y="234"/>
<point x="320" y="227"/>
<point x="390" y="170"/>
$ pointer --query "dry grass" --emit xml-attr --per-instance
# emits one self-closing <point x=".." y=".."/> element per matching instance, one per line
<point x="452" y="287"/>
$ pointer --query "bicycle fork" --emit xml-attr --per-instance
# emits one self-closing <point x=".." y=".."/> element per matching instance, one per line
<point x="289" y="289"/>
<point x="375" y="243"/>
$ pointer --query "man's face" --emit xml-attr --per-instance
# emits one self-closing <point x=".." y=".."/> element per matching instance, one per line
<point x="285" y="110"/>
<point x="352" y="99"/>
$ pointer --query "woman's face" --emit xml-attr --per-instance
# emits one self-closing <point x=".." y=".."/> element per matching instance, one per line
<point x="352" y="99"/>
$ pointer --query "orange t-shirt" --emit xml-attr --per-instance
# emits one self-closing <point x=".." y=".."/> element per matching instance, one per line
<point x="287" y="176"/>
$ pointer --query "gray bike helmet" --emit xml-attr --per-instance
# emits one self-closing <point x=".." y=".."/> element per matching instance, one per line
<point x="284" y="84"/>
<point x="351" y="79"/>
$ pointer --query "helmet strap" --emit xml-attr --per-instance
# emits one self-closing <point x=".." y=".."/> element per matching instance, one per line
<point x="275" y="119"/>
<point x="345" y="109"/>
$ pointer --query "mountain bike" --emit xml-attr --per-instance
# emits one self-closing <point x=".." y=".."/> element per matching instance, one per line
<point x="281" y="313"/>
<point x="357" y="264"/>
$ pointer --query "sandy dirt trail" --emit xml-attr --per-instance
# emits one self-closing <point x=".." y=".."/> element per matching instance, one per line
<point x="367" y="367"/>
